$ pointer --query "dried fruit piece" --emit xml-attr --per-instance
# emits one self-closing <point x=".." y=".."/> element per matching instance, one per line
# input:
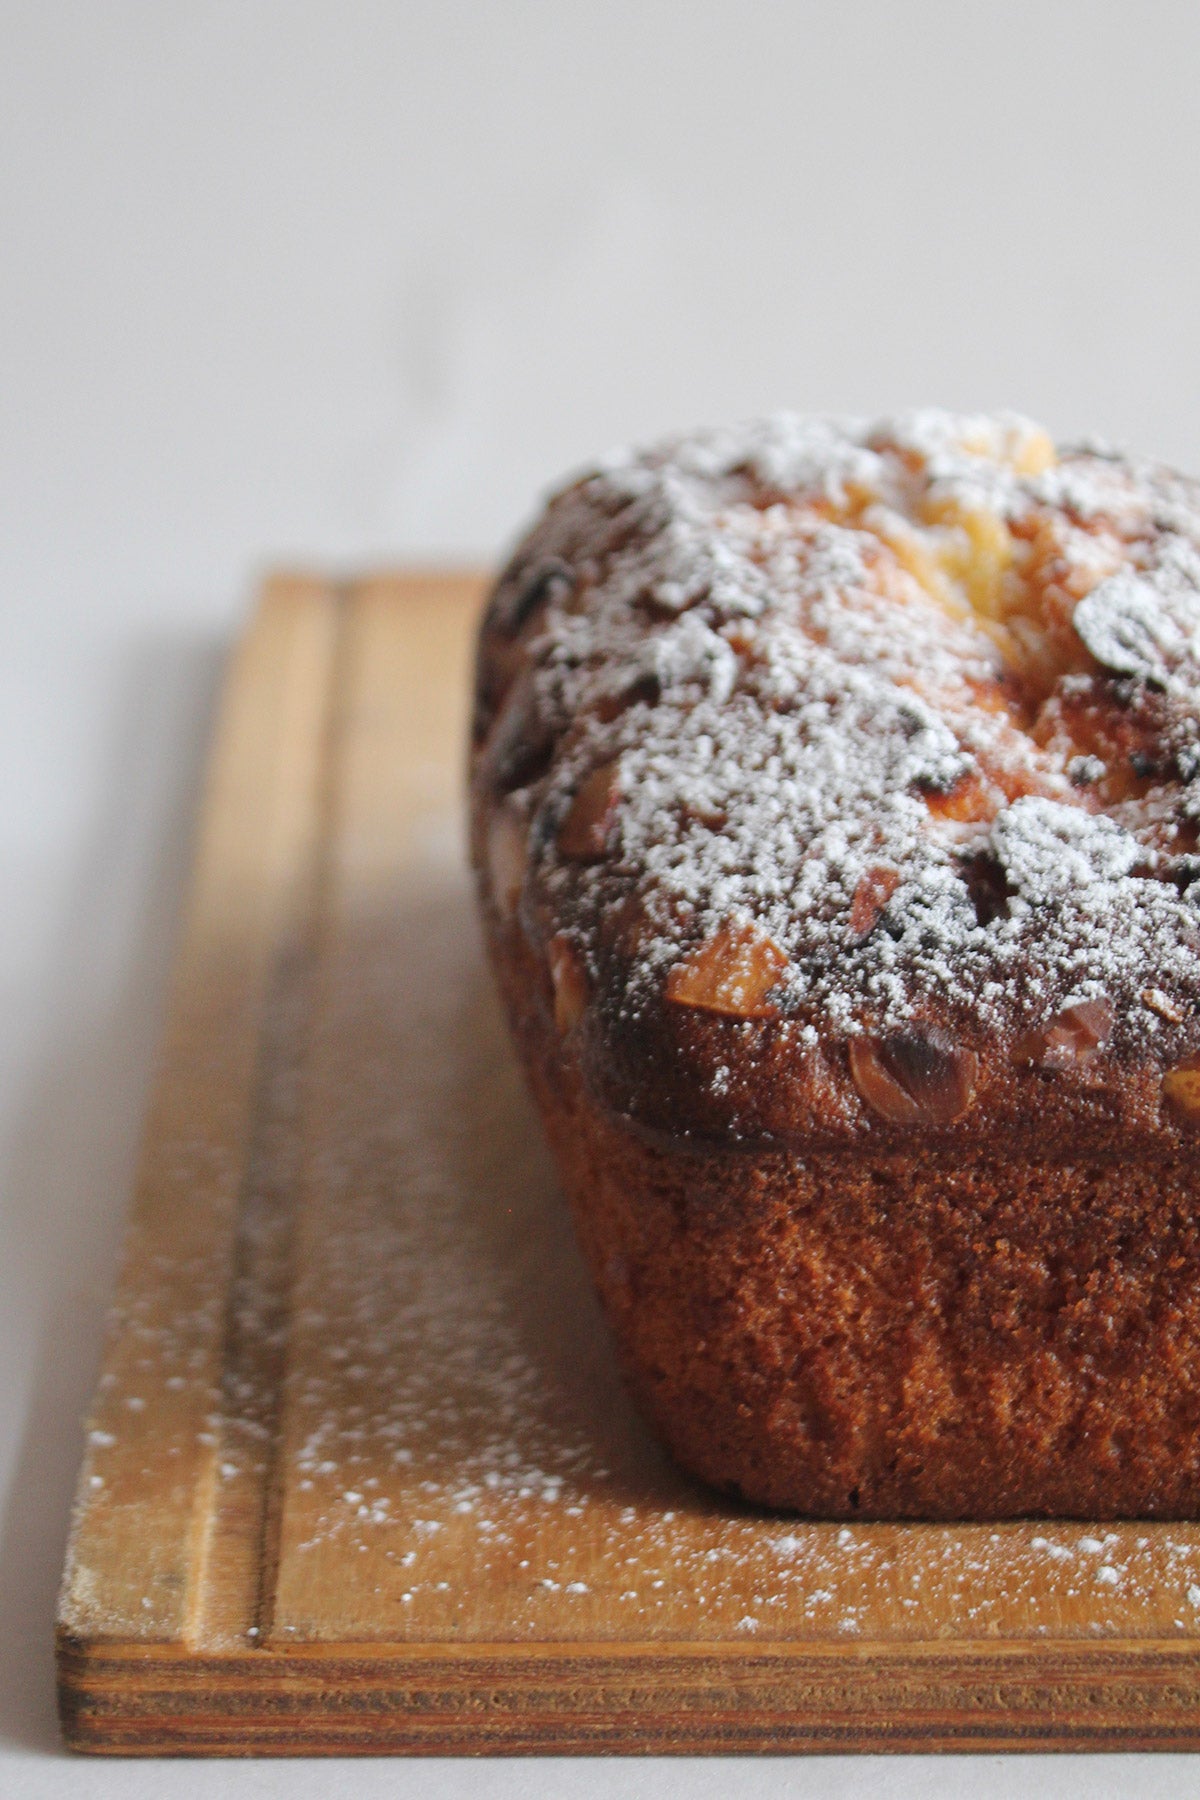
<point x="570" y="981"/>
<point x="732" y="973"/>
<point x="1072" y="1037"/>
<point x="584" y="832"/>
<point x="875" y="888"/>
<point x="507" y="857"/>
<point x="1181" y="1086"/>
<point x="914" y="1079"/>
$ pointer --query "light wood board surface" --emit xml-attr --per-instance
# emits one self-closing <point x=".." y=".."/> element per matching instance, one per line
<point x="360" y="1475"/>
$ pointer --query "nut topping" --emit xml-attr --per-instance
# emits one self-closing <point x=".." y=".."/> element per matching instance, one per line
<point x="875" y="888"/>
<point x="929" y="717"/>
<point x="570" y="982"/>
<point x="507" y="855"/>
<point x="584" y="832"/>
<point x="1163" y="1005"/>
<point x="731" y="973"/>
<point x="914" y="1080"/>
<point x="1072" y="1037"/>
<point x="1181" y="1086"/>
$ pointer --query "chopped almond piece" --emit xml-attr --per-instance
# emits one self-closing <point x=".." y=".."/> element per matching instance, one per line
<point x="732" y="973"/>
<point x="1181" y="1085"/>
<point x="570" y="982"/>
<point x="914" y="1080"/>
<point x="1071" y="1037"/>
<point x="584" y="832"/>
<point x="875" y="888"/>
<point x="507" y="854"/>
<point x="1163" y="1005"/>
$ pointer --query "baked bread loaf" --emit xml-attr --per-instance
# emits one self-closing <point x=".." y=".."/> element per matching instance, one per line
<point x="835" y="802"/>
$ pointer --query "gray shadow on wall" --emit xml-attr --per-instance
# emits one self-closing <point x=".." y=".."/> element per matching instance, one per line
<point x="74" y="1145"/>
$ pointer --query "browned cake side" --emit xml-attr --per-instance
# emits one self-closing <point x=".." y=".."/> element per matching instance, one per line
<point x="834" y="792"/>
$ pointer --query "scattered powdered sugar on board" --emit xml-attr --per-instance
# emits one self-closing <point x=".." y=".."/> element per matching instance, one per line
<point x="460" y="1458"/>
<point x="455" y="1456"/>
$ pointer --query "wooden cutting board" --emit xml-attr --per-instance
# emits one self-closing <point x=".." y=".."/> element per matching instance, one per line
<point x="360" y="1475"/>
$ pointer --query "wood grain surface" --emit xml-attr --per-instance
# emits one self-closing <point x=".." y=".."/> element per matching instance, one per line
<point x="360" y="1476"/>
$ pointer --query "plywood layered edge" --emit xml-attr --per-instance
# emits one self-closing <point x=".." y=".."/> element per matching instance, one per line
<point x="628" y="1700"/>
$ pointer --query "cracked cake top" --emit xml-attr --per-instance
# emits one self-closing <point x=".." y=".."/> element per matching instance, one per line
<point x="851" y="773"/>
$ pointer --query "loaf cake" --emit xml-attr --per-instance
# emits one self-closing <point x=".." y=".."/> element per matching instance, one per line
<point x="835" y="796"/>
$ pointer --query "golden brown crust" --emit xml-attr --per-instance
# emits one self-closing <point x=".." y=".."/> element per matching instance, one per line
<point x="892" y="1336"/>
<point x="834" y="797"/>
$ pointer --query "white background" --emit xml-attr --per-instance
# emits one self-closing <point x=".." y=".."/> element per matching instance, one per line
<point x="354" y="280"/>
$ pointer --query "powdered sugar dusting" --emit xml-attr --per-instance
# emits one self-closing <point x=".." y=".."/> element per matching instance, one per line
<point x="815" y="647"/>
<point x="1047" y="850"/>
